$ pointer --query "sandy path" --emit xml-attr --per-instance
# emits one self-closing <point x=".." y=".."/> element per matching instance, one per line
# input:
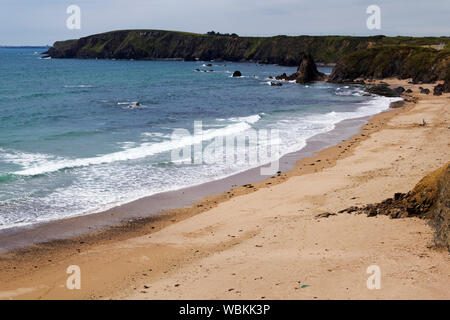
<point x="267" y="243"/>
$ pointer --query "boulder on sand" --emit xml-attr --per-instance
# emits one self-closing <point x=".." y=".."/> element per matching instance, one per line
<point x="399" y="90"/>
<point x="441" y="88"/>
<point x="383" y="90"/>
<point x="424" y="90"/>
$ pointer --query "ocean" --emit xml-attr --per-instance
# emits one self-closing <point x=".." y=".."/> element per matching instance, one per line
<point x="82" y="136"/>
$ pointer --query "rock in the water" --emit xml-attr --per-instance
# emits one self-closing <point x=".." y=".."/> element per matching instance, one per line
<point x="306" y="72"/>
<point x="284" y="76"/>
<point x="237" y="74"/>
<point x="276" y="84"/>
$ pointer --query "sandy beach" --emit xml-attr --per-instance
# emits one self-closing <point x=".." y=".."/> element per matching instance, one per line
<point x="263" y="241"/>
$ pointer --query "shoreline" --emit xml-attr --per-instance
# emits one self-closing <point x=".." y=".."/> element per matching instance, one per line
<point x="174" y="243"/>
<point x="22" y="236"/>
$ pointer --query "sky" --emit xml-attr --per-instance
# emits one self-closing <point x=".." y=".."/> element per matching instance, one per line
<point x="42" y="22"/>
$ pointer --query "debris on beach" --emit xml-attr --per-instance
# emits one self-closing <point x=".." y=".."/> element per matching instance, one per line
<point x="324" y="215"/>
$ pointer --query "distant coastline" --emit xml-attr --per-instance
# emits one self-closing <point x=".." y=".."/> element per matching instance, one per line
<point x="25" y="47"/>
<point x="424" y="59"/>
<point x="282" y="50"/>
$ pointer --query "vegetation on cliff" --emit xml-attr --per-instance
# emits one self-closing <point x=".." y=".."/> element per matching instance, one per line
<point x="422" y="64"/>
<point x="283" y="50"/>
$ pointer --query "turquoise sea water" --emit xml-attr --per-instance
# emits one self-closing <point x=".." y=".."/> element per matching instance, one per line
<point x="71" y="144"/>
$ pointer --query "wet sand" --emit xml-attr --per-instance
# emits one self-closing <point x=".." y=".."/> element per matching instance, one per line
<point x="263" y="241"/>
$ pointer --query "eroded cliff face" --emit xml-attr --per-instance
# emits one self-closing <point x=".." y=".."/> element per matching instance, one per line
<point x="159" y="44"/>
<point x="440" y="214"/>
<point x="421" y="64"/>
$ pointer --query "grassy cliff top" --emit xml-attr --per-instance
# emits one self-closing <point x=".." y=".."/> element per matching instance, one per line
<point x="281" y="49"/>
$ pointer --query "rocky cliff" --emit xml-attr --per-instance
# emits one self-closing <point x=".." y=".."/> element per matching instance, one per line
<point x="422" y="64"/>
<point x="429" y="199"/>
<point x="283" y="50"/>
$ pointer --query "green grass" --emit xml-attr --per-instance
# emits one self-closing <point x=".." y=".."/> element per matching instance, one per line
<point x="278" y="49"/>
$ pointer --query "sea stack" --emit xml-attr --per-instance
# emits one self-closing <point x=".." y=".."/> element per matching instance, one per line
<point x="306" y="72"/>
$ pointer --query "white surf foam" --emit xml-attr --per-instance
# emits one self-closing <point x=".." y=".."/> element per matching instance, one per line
<point x="250" y="119"/>
<point x="79" y="86"/>
<point x="144" y="150"/>
<point x="297" y="130"/>
<point x="135" y="179"/>
<point x="26" y="159"/>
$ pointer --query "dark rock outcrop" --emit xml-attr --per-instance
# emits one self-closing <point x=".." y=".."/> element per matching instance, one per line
<point x="421" y="64"/>
<point x="399" y="90"/>
<point x="442" y="88"/>
<point x="424" y="90"/>
<point x="285" y="77"/>
<point x="429" y="199"/>
<point x="383" y="90"/>
<point x="438" y="90"/>
<point x="306" y="72"/>
<point x="440" y="214"/>
<point x="276" y="84"/>
<point x="237" y="74"/>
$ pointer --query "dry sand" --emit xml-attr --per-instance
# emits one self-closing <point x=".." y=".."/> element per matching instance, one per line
<point x="264" y="242"/>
